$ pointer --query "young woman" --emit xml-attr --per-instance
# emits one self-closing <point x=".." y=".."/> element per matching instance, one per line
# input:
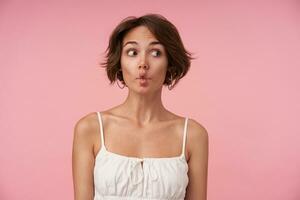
<point x="139" y="149"/>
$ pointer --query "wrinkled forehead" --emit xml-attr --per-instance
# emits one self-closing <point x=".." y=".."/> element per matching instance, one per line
<point x="140" y="35"/>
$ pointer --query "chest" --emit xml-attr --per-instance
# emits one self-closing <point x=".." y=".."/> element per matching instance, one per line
<point x="159" y="140"/>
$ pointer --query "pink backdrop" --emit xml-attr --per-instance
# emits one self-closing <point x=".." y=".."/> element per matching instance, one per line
<point x="243" y="87"/>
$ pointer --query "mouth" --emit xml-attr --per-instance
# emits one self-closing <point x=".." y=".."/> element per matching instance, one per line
<point x="143" y="80"/>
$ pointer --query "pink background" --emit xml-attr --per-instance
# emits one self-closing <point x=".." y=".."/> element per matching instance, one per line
<point x="243" y="87"/>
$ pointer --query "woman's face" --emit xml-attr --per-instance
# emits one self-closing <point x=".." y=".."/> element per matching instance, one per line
<point x="143" y="60"/>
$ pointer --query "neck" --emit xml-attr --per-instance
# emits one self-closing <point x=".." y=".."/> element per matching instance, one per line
<point x="144" y="108"/>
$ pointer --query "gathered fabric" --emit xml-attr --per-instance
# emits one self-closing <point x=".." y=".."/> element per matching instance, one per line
<point x="119" y="177"/>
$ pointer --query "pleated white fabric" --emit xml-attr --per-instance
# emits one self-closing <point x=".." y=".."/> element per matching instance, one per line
<point x="119" y="177"/>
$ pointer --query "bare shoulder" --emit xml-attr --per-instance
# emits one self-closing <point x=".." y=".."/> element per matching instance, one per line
<point x="197" y="130"/>
<point x="83" y="157"/>
<point x="85" y="128"/>
<point x="197" y="136"/>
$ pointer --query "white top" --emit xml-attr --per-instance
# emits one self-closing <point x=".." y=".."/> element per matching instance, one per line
<point x="126" y="178"/>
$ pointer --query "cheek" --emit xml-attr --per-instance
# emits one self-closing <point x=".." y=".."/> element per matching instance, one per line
<point x="124" y="63"/>
<point x="161" y="66"/>
<point x="159" y="71"/>
<point x="128" y="67"/>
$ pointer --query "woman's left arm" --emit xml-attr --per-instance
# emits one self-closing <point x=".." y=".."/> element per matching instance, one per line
<point x="198" y="162"/>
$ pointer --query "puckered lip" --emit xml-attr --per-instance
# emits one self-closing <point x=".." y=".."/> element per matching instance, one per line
<point x="142" y="77"/>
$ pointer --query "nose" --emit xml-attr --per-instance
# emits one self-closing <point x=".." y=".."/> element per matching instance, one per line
<point x="143" y="64"/>
<point x="143" y="70"/>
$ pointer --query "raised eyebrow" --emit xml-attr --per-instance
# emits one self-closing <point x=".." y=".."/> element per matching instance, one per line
<point x="129" y="42"/>
<point x="134" y="42"/>
<point x="155" y="42"/>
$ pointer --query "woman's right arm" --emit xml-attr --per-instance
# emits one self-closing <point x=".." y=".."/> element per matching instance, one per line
<point x="83" y="161"/>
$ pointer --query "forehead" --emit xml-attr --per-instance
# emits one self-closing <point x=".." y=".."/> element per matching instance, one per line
<point x="139" y="33"/>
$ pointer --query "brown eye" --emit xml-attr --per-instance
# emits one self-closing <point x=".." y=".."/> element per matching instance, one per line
<point x="131" y="52"/>
<point x="156" y="53"/>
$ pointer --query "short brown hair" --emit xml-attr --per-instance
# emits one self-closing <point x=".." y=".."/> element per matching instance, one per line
<point x="179" y="59"/>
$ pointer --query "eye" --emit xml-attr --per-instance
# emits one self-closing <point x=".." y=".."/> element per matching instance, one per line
<point x="156" y="52"/>
<point x="131" y="52"/>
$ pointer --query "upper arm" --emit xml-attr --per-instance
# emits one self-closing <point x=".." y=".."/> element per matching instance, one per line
<point x="198" y="163"/>
<point x="83" y="161"/>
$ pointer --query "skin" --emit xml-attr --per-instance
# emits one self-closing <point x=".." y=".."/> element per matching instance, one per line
<point x="141" y="126"/>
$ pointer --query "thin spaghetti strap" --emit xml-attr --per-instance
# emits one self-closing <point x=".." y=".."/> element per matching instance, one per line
<point x="184" y="137"/>
<point x="101" y="130"/>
